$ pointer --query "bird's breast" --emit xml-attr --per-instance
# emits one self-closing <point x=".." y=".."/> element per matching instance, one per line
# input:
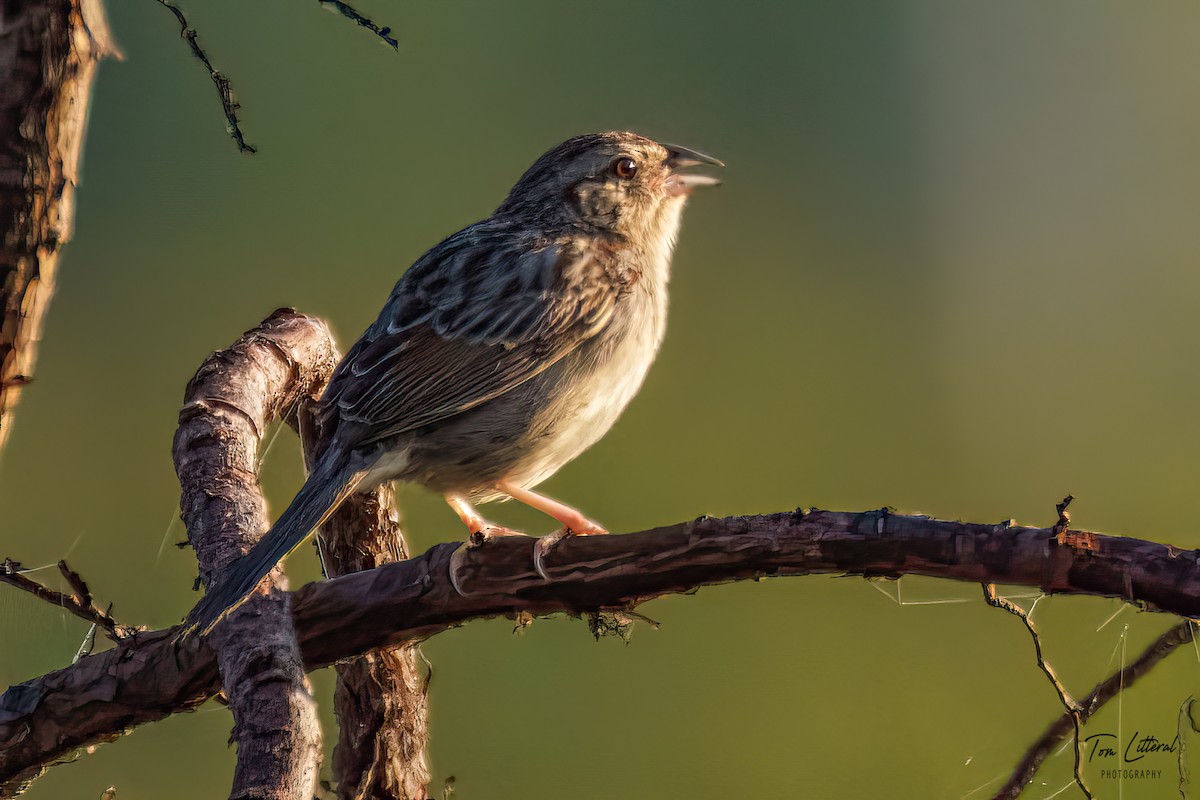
<point x="594" y="384"/>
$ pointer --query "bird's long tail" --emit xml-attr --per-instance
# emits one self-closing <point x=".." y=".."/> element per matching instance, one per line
<point x="330" y="483"/>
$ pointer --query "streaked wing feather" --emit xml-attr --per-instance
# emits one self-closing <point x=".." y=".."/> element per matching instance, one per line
<point x="477" y="316"/>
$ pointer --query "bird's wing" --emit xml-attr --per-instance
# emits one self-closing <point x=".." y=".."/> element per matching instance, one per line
<point x="478" y="315"/>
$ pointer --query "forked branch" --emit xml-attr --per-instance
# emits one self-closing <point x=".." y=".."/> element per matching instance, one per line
<point x="152" y="675"/>
<point x="1070" y="722"/>
<point x="273" y="370"/>
<point x="229" y="104"/>
<point x="79" y="601"/>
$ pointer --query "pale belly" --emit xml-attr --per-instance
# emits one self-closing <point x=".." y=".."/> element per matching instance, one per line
<point x="592" y="410"/>
<point x="526" y="435"/>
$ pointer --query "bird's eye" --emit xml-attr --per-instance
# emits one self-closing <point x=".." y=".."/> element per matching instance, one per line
<point x="624" y="167"/>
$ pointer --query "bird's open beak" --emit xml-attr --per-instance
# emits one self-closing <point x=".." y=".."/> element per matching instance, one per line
<point x="681" y="183"/>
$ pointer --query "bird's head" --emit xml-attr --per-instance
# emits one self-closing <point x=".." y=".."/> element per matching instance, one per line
<point x="615" y="182"/>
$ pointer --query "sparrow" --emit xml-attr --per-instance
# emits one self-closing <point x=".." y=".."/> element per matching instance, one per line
<point x="503" y="353"/>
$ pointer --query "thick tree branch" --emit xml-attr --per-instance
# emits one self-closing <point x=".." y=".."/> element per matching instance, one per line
<point x="380" y="696"/>
<point x="48" y="55"/>
<point x="379" y="699"/>
<point x="228" y="404"/>
<point x="276" y="371"/>
<point x="151" y="675"/>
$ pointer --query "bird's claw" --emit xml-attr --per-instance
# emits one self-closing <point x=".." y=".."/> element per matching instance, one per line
<point x="542" y="548"/>
<point x="456" y="559"/>
<point x="546" y="544"/>
<point x="487" y="533"/>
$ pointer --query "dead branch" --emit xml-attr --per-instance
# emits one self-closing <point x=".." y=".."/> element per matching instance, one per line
<point x="349" y="12"/>
<point x="379" y="699"/>
<point x="79" y="602"/>
<point x="152" y="675"/>
<point x="1073" y="710"/>
<point x="48" y="57"/>
<point x="277" y="370"/>
<point x="1069" y="723"/>
<point x="228" y="404"/>
<point x="229" y="105"/>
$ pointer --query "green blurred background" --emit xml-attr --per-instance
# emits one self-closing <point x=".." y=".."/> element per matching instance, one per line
<point x="952" y="270"/>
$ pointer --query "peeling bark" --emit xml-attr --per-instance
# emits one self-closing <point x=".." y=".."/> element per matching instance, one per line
<point x="277" y="371"/>
<point x="380" y="696"/>
<point x="153" y="675"/>
<point x="49" y="50"/>
<point x="237" y="392"/>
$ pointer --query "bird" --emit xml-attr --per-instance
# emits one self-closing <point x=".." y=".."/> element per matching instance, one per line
<point x="502" y="353"/>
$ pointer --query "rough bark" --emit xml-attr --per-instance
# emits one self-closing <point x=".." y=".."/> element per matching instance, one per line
<point x="48" y="55"/>
<point x="152" y="675"/>
<point x="276" y="371"/>
<point x="237" y="392"/>
<point x="380" y="696"/>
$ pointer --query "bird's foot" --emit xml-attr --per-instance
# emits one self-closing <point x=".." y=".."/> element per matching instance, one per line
<point x="477" y="539"/>
<point x="546" y="544"/>
<point x="483" y="535"/>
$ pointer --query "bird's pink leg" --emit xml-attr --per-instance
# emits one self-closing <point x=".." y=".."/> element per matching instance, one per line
<point x="480" y="529"/>
<point x="571" y="519"/>
<point x="574" y="523"/>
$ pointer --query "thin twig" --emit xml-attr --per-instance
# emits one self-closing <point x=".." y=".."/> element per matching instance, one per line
<point x="1185" y="713"/>
<point x="1064" y="517"/>
<point x="1104" y="691"/>
<point x="87" y="645"/>
<point x="79" y="602"/>
<point x="224" y="88"/>
<point x="350" y="13"/>
<point x="76" y="583"/>
<point x="1073" y="709"/>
